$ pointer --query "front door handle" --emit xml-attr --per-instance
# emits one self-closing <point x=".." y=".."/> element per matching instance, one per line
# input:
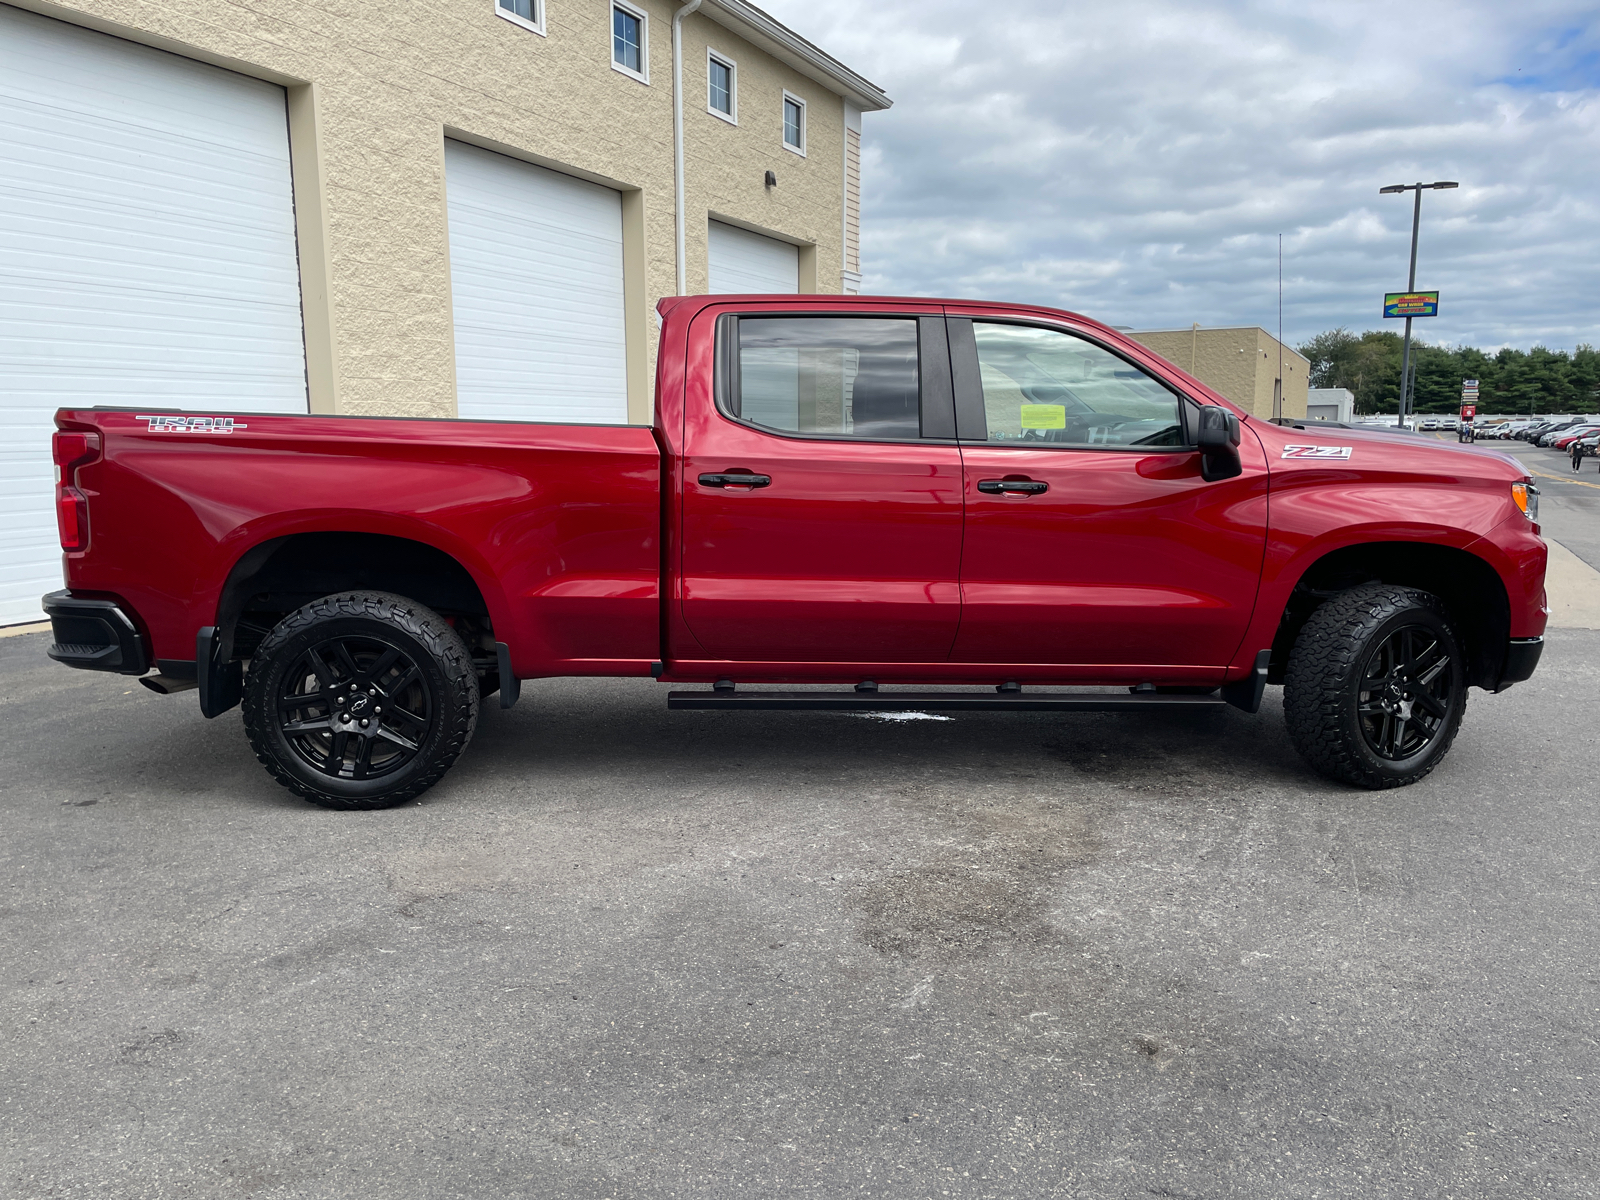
<point x="1026" y="487"/>
<point x="735" y="479"/>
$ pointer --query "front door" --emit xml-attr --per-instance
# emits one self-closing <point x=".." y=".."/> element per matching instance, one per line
<point x="821" y="517"/>
<point x="1092" y="543"/>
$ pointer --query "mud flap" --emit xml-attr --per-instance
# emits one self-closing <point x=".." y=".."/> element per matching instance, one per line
<point x="221" y="683"/>
<point x="1247" y="693"/>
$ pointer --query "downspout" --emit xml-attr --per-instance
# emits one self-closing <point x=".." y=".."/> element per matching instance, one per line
<point x="677" y="137"/>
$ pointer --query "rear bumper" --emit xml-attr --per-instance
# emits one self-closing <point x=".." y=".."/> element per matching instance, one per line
<point x="1522" y="656"/>
<point x="94" y="635"/>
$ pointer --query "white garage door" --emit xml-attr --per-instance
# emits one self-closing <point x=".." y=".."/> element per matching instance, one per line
<point x="147" y="256"/>
<point x="536" y="275"/>
<point x="742" y="261"/>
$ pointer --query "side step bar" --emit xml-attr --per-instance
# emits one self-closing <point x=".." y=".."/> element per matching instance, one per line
<point x="729" y="698"/>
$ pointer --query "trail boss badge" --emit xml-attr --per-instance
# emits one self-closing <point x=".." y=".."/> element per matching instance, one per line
<point x="1316" y="452"/>
<point x="191" y="424"/>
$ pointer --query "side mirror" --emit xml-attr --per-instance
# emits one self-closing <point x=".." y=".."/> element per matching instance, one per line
<point x="1218" y="439"/>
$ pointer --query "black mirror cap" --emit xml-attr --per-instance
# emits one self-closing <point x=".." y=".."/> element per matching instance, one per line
<point x="1218" y="439"/>
<point x="1218" y="428"/>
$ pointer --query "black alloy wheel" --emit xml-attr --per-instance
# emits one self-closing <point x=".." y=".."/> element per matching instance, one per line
<point x="355" y="707"/>
<point x="1405" y="693"/>
<point x="1375" y="686"/>
<point x="360" y="700"/>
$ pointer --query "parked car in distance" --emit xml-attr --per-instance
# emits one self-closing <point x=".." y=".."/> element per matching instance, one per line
<point x="1549" y="436"/>
<point x="902" y="498"/>
<point x="1561" y="441"/>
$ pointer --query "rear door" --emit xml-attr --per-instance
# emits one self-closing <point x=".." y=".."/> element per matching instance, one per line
<point x="1092" y="543"/>
<point x="821" y="506"/>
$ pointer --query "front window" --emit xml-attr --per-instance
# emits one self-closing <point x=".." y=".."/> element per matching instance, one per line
<point x="628" y="40"/>
<point x="828" y="376"/>
<point x="719" y="76"/>
<point x="1046" y="387"/>
<point x="794" y="123"/>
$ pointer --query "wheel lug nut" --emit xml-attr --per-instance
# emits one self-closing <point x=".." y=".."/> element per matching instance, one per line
<point x="363" y="724"/>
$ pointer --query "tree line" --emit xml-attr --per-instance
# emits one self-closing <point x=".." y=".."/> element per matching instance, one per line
<point x="1509" y="381"/>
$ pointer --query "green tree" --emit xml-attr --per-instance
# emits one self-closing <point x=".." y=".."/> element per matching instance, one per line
<point x="1509" y="381"/>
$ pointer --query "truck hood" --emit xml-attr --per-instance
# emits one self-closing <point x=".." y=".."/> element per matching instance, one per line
<point x="1375" y="448"/>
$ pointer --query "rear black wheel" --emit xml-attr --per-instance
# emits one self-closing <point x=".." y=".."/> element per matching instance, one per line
<point x="1375" y="686"/>
<point x="360" y="700"/>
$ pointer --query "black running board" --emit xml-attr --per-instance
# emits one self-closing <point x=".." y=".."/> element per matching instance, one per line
<point x="943" y="701"/>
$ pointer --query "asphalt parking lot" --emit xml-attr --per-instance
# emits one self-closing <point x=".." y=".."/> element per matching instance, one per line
<point x="622" y="952"/>
<point x="1570" y="510"/>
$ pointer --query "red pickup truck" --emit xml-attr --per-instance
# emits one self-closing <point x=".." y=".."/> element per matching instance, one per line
<point x="930" y="505"/>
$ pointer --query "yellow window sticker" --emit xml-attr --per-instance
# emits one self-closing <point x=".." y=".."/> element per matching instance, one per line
<point x="1044" y="416"/>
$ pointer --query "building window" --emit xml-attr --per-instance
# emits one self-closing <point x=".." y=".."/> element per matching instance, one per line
<point x="630" y="41"/>
<point x="722" y="96"/>
<point x="527" y="13"/>
<point x="794" y="124"/>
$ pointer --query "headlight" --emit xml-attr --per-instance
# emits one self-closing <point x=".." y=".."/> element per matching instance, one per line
<point x="1527" y="498"/>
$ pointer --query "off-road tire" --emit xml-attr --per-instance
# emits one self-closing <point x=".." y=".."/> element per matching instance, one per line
<point x="1322" y="686"/>
<point x="444" y="667"/>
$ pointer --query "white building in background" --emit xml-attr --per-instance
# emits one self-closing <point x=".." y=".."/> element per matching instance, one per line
<point x="1330" y="404"/>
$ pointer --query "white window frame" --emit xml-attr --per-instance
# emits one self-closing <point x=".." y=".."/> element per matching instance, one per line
<point x="532" y="26"/>
<point x="643" y="73"/>
<point x="790" y="97"/>
<point x="732" y="118"/>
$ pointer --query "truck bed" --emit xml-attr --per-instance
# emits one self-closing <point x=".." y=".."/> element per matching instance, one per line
<point x="557" y="525"/>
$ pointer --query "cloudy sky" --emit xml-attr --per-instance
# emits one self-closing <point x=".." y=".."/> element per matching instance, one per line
<point x="1136" y="160"/>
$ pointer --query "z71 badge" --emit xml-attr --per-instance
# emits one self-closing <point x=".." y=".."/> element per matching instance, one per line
<point x="192" y="424"/>
<point x="1316" y="451"/>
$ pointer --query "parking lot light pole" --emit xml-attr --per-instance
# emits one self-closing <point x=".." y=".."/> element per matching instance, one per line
<point x="1411" y="281"/>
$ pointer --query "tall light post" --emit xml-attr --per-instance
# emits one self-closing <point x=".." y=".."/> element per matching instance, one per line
<point x="1411" y="282"/>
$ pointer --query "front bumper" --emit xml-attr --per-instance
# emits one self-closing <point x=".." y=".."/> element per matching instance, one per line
<point x="1522" y="656"/>
<point x="94" y="635"/>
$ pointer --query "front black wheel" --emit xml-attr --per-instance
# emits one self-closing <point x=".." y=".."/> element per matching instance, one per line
<point x="360" y="700"/>
<point x="1375" y="686"/>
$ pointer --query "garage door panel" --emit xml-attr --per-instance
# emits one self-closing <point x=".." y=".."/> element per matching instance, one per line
<point x="739" y="261"/>
<point x="147" y="255"/>
<point x="536" y="276"/>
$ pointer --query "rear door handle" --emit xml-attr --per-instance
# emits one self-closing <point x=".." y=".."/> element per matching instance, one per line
<point x="1027" y="487"/>
<point x="735" y="480"/>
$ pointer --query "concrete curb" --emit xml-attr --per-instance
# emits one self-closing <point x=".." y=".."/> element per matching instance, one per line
<point x="1573" y="588"/>
<point x="19" y="630"/>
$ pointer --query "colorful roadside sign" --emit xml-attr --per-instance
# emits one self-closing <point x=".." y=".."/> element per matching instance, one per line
<point x="1411" y="304"/>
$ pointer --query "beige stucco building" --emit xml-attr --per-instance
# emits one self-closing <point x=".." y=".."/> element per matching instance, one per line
<point x="434" y="208"/>
<point x="374" y="97"/>
<point x="1241" y="363"/>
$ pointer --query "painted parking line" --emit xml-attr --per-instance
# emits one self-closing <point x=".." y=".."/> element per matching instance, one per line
<point x="1559" y="478"/>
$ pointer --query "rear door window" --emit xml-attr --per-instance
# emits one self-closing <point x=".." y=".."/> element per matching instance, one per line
<point x="854" y="377"/>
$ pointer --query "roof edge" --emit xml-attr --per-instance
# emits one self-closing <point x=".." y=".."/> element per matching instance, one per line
<point x="783" y="43"/>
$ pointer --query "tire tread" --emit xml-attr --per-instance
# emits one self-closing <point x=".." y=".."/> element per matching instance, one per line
<point x="1328" y="650"/>
<point x="423" y="624"/>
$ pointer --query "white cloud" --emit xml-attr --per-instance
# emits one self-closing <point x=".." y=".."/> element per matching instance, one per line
<point x="1136" y="161"/>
